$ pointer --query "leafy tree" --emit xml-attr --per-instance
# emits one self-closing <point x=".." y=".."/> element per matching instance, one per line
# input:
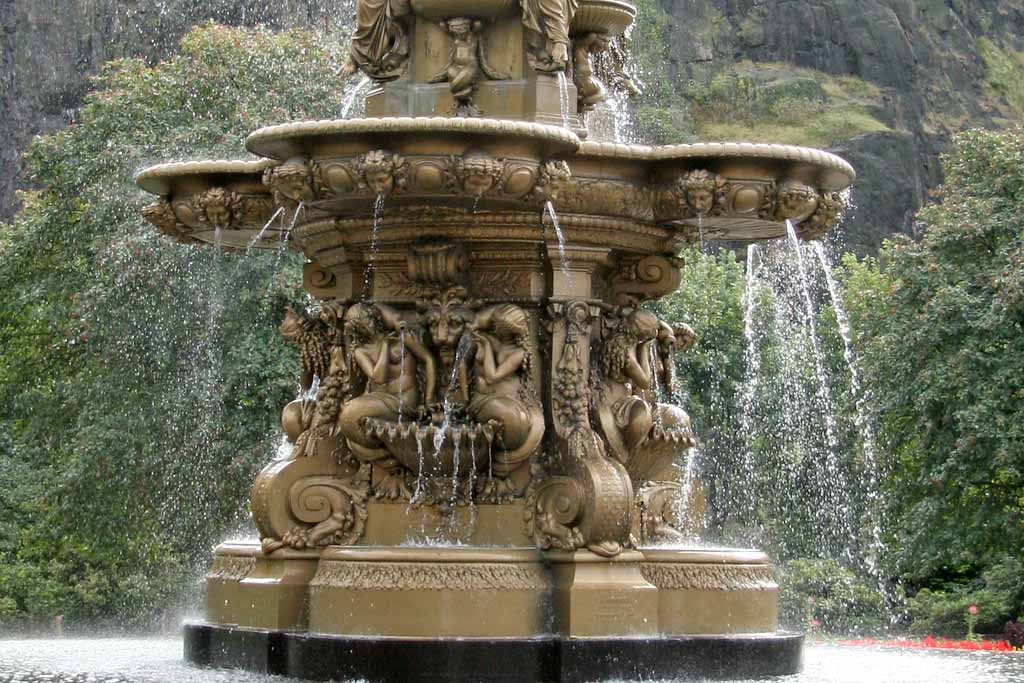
<point x="939" y="327"/>
<point x="141" y="380"/>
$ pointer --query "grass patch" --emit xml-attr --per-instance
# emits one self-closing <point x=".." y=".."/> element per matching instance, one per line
<point x="781" y="103"/>
<point x="1004" y="80"/>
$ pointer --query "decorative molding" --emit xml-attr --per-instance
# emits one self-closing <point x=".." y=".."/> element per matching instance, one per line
<point x="230" y="568"/>
<point x="708" y="577"/>
<point x="424" y="576"/>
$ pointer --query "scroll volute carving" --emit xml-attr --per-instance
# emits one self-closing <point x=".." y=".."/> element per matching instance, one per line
<point x="640" y="279"/>
<point x="310" y="503"/>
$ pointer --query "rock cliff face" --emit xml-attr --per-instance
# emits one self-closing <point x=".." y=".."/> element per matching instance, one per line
<point x="939" y="66"/>
<point x="923" y="68"/>
<point x="49" y="48"/>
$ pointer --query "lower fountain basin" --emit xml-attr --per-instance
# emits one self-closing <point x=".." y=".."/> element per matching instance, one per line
<point x="505" y="660"/>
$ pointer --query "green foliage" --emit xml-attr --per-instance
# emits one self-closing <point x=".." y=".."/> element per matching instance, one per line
<point x="938" y="326"/>
<point x="141" y="380"/>
<point x="821" y="595"/>
<point x="1004" y="72"/>
<point x="710" y="374"/>
<point x="997" y="593"/>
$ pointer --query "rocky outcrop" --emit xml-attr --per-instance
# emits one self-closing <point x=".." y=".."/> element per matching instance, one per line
<point x="49" y="49"/>
<point x="928" y="58"/>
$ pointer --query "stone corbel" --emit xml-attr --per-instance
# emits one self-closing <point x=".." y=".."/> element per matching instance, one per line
<point x="642" y="278"/>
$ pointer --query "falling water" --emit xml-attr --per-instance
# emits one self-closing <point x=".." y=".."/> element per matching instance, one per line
<point x="864" y="423"/>
<point x="563" y="97"/>
<point x="439" y="435"/>
<point x="786" y="411"/>
<point x="549" y="210"/>
<point x="455" y="468"/>
<point x="420" y="436"/>
<point x="378" y="209"/>
<point x="350" y="98"/>
<point x="819" y="366"/>
<point x="656" y="396"/>
<point x="259" y="235"/>
<point x="684" y="499"/>
<point x="282" y="245"/>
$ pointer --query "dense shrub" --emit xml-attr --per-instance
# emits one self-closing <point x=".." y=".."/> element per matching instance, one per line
<point x="823" y="596"/>
<point x="140" y="379"/>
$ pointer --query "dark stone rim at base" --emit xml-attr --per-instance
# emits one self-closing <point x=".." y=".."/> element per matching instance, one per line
<point x="506" y="660"/>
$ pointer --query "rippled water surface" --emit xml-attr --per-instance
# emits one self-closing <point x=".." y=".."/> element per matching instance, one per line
<point x="158" y="660"/>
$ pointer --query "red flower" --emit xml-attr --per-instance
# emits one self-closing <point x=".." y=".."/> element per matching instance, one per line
<point x="973" y="609"/>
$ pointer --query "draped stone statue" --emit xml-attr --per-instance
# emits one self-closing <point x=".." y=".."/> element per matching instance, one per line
<point x="547" y="25"/>
<point x="380" y="44"/>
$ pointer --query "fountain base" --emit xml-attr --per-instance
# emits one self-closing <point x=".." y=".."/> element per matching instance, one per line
<point x="497" y="614"/>
<point x="545" y="658"/>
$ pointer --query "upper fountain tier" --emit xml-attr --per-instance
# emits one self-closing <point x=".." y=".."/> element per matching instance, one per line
<point x="478" y="109"/>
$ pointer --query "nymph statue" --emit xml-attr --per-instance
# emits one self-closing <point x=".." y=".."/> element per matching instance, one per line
<point x="374" y="336"/>
<point x="636" y="363"/>
<point x="503" y="390"/>
<point x="627" y="367"/>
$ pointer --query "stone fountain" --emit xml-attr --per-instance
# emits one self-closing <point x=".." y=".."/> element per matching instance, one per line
<point x="484" y="482"/>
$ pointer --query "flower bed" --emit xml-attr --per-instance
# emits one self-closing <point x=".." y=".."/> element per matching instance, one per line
<point x="931" y="643"/>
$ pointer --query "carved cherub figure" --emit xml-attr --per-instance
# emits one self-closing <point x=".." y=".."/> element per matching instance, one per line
<point x="795" y="201"/>
<point x="554" y="179"/>
<point x="589" y="90"/>
<point x="467" y="64"/>
<point x="476" y="172"/>
<point x="290" y="183"/>
<point x="830" y="207"/>
<point x="700" y="191"/>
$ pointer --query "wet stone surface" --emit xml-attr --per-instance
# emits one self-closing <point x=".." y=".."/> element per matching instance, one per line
<point x="159" y="660"/>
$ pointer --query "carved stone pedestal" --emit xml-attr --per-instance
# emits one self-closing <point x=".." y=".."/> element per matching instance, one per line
<point x="483" y="614"/>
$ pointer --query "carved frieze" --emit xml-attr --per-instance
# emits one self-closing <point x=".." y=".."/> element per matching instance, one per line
<point x="425" y="576"/>
<point x="230" y="567"/>
<point x="708" y="577"/>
